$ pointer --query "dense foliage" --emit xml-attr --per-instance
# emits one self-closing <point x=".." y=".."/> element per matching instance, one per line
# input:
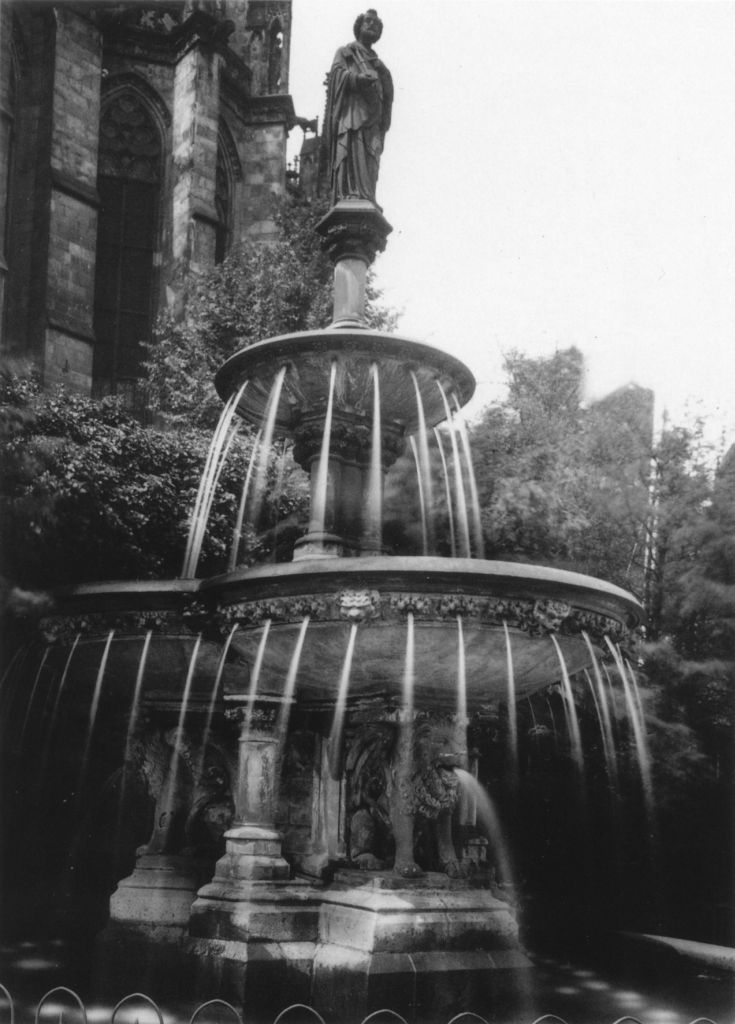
<point x="561" y="482"/>
<point x="90" y="494"/>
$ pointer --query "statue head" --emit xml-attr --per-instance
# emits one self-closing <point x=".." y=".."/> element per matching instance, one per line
<point x="371" y="15"/>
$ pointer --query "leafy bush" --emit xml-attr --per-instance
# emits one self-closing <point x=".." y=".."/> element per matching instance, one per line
<point x="90" y="494"/>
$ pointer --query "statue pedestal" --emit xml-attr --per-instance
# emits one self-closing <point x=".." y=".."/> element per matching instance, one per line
<point x="353" y="232"/>
<point x="427" y="948"/>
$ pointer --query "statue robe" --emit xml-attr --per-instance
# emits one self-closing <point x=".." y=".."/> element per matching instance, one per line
<point x="357" y="119"/>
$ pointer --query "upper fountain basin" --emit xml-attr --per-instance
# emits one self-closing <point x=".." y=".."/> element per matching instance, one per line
<point x="308" y="357"/>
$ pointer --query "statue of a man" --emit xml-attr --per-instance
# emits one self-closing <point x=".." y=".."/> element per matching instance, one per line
<point x="359" y="102"/>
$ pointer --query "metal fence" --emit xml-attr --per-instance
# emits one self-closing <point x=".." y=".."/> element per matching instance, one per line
<point x="61" y="1005"/>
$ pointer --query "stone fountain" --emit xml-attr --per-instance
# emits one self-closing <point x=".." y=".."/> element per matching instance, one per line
<point x="299" y="728"/>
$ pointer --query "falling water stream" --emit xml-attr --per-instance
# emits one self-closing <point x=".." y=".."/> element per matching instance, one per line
<point x="255" y="680"/>
<point x="335" y="735"/>
<point x="570" y="712"/>
<point x="461" y="678"/>
<point x="552" y="719"/>
<point x="93" y="708"/>
<point x="488" y="819"/>
<point x="48" y="734"/>
<point x="223" y="437"/>
<point x="422" y="499"/>
<point x="214" y="692"/>
<point x="448" y="493"/>
<point x="603" y="710"/>
<point x="284" y="713"/>
<point x="464" y="527"/>
<point x="132" y="725"/>
<point x="32" y="696"/>
<point x="10" y="682"/>
<point x="424" y="470"/>
<point x="373" y="540"/>
<point x="319" y="503"/>
<point x="175" y="762"/>
<point x="512" y="709"/>
<point x="244" y="494"/>
<point x="264" y="448"/>
<point x="635" y="715"/>
<point x="474" y="496"/>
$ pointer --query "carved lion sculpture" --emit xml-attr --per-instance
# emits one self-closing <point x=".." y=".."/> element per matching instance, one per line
<point x="419" y="788"/>
<point x="193" y="805"/>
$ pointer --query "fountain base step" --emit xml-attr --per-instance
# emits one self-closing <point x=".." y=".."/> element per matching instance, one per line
<point x="158" y="895"/>
<point x="253" y="943"/>
<point x="428" y="948"/>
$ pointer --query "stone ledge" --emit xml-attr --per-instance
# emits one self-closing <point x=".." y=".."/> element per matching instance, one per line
<point x="76" y="189"/>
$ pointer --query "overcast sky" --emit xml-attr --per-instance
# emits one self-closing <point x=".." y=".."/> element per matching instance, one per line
<point x="557" y="174"/>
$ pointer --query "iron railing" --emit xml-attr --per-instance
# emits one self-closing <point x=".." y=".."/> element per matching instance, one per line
<point x="218" y="1011"/>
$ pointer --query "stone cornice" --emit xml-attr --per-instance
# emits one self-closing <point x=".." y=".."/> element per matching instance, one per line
<point x="76" y="189"/>
<point x="205" y="213"/>
<point x="74" y="330"/>
<point x="277" y="109"/>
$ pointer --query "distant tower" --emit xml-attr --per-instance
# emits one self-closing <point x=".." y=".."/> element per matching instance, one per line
<point x="138" y="142"/>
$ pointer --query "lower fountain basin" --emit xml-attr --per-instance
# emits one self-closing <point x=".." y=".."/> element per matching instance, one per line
<point x="465" y="614"/>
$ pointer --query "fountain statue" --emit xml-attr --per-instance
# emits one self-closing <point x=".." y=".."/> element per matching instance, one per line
<point x="299" y="730"/>
<point x="359" y="102"/>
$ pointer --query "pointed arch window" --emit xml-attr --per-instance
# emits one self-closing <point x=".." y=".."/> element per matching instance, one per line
<point x="228" y="173"/>
<point x="129" y="184"/>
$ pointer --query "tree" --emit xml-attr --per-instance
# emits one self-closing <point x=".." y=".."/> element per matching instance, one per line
<point x="560" y="482"/>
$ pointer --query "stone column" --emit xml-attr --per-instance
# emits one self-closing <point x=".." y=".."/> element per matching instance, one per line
<point x="253" y="846"/>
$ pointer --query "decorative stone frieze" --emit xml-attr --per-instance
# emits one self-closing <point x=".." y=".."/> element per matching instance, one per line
<point x="526" y="614"/>
<point x="213" y="618"/>
<point x="64" y="628"/>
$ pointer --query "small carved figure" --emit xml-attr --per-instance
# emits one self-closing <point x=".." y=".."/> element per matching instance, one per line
<point x="371" y="842"/>
<point x="359" y="104"/>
